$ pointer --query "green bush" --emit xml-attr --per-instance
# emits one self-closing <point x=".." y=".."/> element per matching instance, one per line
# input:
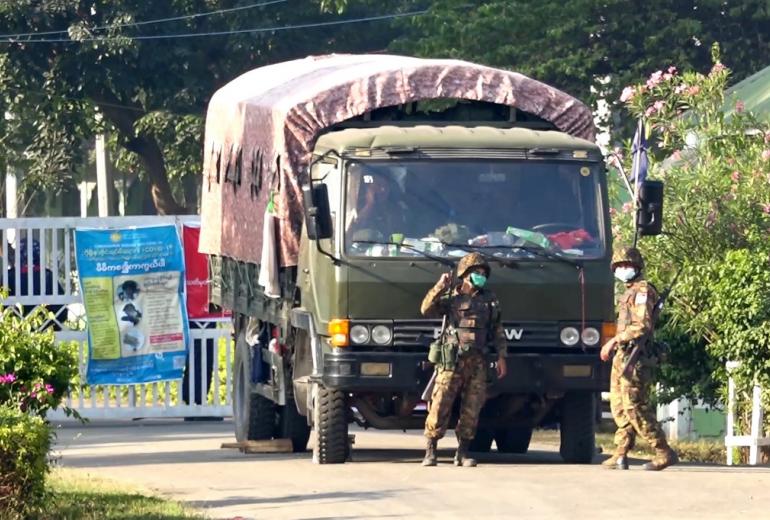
<point x="24" y="443"/>
<point x="35" y="372"/>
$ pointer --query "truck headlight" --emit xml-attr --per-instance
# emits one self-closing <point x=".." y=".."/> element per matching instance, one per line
<point x="381" y="334"/>
<point x="359" y="334"/>
<point x="569" y="336"/>
<point x="590" y="336"/>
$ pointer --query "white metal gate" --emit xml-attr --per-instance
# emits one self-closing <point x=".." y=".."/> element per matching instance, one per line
<point x="211" y="345"/>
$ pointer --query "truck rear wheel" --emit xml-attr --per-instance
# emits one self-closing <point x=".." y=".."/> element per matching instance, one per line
<point x="514" y="439"/>
<point x="292" y="425"/>
<point x="254" y="416"/>
<point x="578" y="439"/>
<point x="330" y="421"/>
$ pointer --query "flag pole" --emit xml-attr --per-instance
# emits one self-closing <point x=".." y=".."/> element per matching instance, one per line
<point x="637" y="164"/>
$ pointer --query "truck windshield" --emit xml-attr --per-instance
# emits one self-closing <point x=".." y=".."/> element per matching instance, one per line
<point x="437" y="205"/>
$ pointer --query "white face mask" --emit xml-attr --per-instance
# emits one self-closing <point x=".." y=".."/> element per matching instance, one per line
<point x="625" y="274"/>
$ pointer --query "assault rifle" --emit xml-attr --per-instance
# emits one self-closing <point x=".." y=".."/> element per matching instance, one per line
<point x="640" y="343"/>
<point x="426" y="394"/>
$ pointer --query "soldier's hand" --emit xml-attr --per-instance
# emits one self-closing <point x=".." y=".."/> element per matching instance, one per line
<point x="502" y="368"/>
<point x="607" y="350"/>
<point x="444" y="281"/>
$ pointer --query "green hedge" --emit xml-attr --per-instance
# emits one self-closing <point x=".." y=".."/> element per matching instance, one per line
<point x="24" y="443"/>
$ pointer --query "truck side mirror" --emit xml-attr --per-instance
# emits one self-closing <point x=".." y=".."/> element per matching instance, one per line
<point x="318" y="217"/>
<point x="649" y="219"/>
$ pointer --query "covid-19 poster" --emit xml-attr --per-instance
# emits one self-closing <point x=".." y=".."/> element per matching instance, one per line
<point x="132" y="281"/>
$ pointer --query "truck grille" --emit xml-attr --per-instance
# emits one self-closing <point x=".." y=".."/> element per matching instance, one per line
<point x="417" y="334"/>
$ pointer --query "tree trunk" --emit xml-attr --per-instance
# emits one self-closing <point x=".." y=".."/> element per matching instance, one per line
<point x="150" y="154"/>
<point x="152" y="158"/>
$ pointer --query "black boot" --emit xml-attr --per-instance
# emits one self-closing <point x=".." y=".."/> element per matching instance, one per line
<point x="461" y="457"/>
<point x="430" y="453"/>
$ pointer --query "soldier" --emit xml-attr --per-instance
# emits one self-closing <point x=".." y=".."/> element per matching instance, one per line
<point x="473" y="317"/>
<point x="629" y="394"/>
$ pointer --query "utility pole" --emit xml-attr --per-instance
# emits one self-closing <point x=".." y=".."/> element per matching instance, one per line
<point x="103" y="178"/>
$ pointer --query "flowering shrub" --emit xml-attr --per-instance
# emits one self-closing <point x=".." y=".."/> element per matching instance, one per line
<point x="714" y="157"/>
<point x="35" y="372"/>
<point x="24" y="444"/>
<point x="35" y="375"/>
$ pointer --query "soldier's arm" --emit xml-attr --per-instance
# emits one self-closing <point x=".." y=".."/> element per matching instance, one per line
<point x="435" y="302"/>
<point x="641" y="316"/>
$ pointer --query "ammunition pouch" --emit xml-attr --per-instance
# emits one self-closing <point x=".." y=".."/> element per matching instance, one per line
<point x="443" y="354"/>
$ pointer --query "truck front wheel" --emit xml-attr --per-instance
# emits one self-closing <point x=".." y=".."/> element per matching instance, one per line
<point x="254" y="416"/>
<point x="577" y="428"/>
<point x="330" y="422"/>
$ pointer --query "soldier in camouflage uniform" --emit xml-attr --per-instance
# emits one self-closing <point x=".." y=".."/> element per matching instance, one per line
<point x="473" y="318"/>
<point x="629" y="396"/>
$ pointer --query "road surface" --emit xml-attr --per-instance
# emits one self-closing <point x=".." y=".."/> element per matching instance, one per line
<point x="184" y="461"/>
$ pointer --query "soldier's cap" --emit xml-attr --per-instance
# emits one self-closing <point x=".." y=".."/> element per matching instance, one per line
<point x="628" y="255"/>
<point x="470" y="261"/>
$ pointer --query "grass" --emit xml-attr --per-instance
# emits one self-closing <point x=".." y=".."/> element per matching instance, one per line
<point x="77" y="495"/>
<point x="703" y="451"/>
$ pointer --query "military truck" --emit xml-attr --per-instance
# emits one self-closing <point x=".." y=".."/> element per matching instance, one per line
<point x="338" y="189"/>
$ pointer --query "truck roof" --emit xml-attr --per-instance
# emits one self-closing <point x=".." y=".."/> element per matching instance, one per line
<point x="261" y="129"/>
<point x="451" y="136"/>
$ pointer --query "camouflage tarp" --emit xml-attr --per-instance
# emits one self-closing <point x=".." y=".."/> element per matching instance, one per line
<point x="262" y="126"/>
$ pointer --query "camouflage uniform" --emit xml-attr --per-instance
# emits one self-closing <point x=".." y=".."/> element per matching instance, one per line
<point x="474" y="320"/>
<point x="629" y="396"/>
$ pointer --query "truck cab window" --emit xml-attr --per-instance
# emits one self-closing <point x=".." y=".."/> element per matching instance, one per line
<point x="495" y="203"/>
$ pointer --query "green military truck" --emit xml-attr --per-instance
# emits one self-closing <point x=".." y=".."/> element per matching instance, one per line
<point x="380" y="172"/>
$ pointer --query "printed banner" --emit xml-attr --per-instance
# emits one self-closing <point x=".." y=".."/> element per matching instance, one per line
<point x="133" y="291"/>
<point x="197" y="276"/>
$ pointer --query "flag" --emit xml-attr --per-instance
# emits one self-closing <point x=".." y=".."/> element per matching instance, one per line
<point x="640" y="164"/>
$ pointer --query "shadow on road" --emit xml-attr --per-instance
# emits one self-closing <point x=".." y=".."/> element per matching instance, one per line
<point x="276" y="502"/>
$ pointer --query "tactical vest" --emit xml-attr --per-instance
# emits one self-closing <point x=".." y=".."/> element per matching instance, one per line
<point x="471" y="317"/>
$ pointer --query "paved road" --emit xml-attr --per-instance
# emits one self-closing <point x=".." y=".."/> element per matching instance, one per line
<point x="184" y="460"/>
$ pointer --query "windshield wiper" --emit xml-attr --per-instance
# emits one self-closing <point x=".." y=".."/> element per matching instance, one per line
<point x="538" y="250"/>
<point x="439" y="259"/>
<point x="481" y="250"/>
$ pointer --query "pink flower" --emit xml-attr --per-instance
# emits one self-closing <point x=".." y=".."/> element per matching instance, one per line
<point x="627" y="207"/>
<point x="766" y="155"/>
<point x="671" y="70"/>
<point x="677" y="155"/>
<point x="658" y="105"/>
<point x="49" y="388"/>
<point x="740" y="106"/>
<point x="7" y="378"/>
<point x="613" y="212"/>
<point x="767" y="136"/>
<point x="655" y="79"/>
<point x="694" y="90"/>
<point x="717" y="68"/>
<point x="650" y="111"/>
<point x="627" y="94"/>
<point x="735" y="176"/>
<point x="680" y="88"/>
<point x="766" y="208"/>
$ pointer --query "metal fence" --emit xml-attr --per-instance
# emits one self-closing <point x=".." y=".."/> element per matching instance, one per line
<point x="31" y="275"/>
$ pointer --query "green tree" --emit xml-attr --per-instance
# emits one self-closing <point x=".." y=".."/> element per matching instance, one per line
<point x="716" y="168"/>
<point x="576" y="45"/>
<point x="150" y="93"/>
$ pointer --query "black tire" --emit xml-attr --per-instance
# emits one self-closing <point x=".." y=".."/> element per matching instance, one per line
<point x="254" y="416"/>
<point x="482" y="442"/>
<point x="292" y="425"/>
<point x="330" y="420"/>
<point x="514" y="439"/>
<point x="578" y="436"/>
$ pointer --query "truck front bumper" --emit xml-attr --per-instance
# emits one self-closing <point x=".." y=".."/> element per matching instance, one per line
<point x="406" y="372"/>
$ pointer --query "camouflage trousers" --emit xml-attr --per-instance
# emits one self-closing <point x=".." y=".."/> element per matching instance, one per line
<point x="469" y="379"/>
<point x="629" y="402"/>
